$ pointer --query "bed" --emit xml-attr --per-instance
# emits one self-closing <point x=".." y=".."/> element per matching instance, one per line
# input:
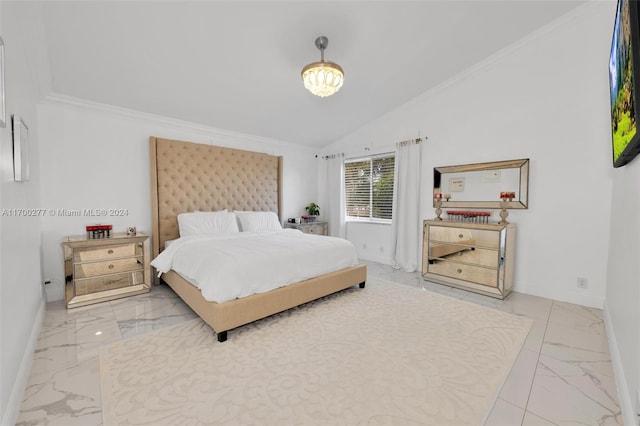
<point x="187" y="177"/>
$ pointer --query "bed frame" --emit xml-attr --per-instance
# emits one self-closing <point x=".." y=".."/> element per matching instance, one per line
<point x="189" y="176"/>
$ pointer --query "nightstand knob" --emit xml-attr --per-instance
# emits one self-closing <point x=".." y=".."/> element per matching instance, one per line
<point x="460" y="236"/>
<point x="110" y="251"/>
<point x="459" y="270"/>
<point x="110" y="266"/>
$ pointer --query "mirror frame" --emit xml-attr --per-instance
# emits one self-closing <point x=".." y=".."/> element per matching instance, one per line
<point x="521" y="203"/>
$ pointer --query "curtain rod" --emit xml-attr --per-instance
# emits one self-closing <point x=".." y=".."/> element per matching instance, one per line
<point x="378" y="147"/>
<point x="326" y="157"/>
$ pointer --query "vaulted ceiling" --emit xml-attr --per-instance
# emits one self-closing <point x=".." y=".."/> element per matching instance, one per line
<point x="236" y="65"/>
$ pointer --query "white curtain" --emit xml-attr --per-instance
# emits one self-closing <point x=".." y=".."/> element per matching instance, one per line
<point x="335" y="195"/>
<point x="405" y="227"/>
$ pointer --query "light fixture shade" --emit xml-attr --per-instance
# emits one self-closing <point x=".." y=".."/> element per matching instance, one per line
<point x="323" y="78"/>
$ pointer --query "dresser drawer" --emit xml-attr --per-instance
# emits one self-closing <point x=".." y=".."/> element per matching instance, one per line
<point x="477" y="274"/>
<point x="109" y="282"/>
<point x="106" y="252"/>
<point x="475" y="237"/>
<point x="92" y="269"/>
<point x="457" y="253"/>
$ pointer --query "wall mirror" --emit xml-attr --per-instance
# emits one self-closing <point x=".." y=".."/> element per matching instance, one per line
<point x="479" y="185"/>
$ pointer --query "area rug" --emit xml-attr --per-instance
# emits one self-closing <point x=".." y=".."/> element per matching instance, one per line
<point x="385" y="354"/>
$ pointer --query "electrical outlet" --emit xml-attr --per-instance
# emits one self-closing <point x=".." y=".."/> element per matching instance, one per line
<point x="582" y="283"/>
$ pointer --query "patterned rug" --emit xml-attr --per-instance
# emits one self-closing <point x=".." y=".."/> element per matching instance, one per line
<point x="386" y="354"/>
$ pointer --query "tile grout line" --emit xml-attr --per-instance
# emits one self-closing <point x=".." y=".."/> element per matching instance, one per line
<point x="535" y="373"/>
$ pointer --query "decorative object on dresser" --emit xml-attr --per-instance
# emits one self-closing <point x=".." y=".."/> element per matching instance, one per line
<point x="313" y="210"/>
<point x="102" y="269"/>
<point x="99" y="231"/>
<point x="505" y="198"/>
<point x="468" y="216"/>
<point x="437" y="203"/>
<point x="472" y="256"/>
<point x="317" y="227"/>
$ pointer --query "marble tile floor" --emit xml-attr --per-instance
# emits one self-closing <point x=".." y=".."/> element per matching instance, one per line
<point x="562" y="376"/>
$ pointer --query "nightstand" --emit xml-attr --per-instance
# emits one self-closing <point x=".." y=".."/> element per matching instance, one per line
<point x="97" y="270"/>
<point x="317" y="227"/>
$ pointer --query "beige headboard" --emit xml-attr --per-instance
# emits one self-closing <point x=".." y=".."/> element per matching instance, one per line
<point x="189" y="176"/>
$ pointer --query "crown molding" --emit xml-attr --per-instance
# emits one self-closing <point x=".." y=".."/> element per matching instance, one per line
<point x="208" y="131"/>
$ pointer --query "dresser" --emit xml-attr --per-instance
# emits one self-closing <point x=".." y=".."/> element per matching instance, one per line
<point x="317" y="227"/>
<point x="97" y="270"/>
<point x="472" y="256"/>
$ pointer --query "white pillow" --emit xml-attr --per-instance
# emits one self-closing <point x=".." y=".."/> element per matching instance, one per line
<point x="258" y="221"/>
<point x="197" y="223"/>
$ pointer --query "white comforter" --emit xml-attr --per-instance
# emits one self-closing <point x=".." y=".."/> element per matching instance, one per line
<point x="229" y="266"/>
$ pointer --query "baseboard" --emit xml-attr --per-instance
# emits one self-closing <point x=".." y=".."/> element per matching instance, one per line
<point x="17" y="392"/>
<point x="626" y="404"/>
<point x="373" y="258"/>
<point x="569" y="297"/>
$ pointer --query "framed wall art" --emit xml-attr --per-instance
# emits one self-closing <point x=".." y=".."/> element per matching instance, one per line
<point x="20" y="149"/>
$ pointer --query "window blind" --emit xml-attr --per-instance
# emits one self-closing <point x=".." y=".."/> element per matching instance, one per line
<point x="369" y="187"/>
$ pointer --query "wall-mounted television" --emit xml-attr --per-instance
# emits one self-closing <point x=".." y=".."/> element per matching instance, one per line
<point x="624" y="81"/>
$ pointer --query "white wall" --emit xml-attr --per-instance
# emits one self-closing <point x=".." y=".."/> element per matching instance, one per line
<point x="545" y="98"/>
<point x="97" y="157"/>
<point x="372" y="241"/>
<point x="21" y="289"/>
<point x="623" y="282"/>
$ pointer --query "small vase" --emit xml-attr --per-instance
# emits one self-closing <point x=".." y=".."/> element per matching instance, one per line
<point x="504" y="213"/>
<point x="438" y="203"/>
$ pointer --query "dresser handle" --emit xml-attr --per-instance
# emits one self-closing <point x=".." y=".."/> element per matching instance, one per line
<point x="110" y="266"/>
<point x="460" y="236"/>
<point x="459" y="271"/>
<point x="110" y="251"/>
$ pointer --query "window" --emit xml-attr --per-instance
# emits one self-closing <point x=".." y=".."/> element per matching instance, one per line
<point x="369" y="188"/>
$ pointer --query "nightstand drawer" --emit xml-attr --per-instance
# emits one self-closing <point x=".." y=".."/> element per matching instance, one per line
<point x="106" y="252"/>
<point x="477" y="274"/>
<point x="313" y="229"/>
<point x="108" y="282"/>
<point x="318" y="228"/>
<point x="92" y="269"/>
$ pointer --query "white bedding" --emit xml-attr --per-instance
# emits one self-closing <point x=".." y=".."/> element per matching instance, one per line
<point x="233" y="265"/>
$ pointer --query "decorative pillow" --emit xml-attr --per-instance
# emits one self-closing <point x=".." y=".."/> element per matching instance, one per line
<point x="258" y="221"/>
<point x="197" y="223"/>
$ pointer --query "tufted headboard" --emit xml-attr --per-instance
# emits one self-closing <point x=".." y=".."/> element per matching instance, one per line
<point x="189" y="176"/>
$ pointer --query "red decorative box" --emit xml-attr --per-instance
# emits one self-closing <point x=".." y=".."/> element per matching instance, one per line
<point x="98" y="231"/>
